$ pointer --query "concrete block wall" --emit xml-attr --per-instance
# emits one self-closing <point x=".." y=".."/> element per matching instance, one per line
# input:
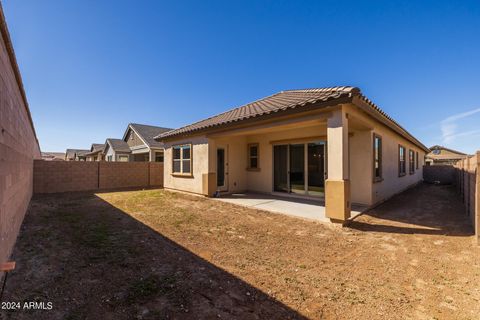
<point x="63" y="176"/>
<point x="66" y="176"/>
<point x="156" y="173"/>
<point x="18" y="146"/>
<point x="439" y="174"/>
<point x="468" y="185"/>
<point x="123" y="174"/>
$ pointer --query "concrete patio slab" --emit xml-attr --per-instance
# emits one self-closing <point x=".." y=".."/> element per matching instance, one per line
<point x="312" y="209"/>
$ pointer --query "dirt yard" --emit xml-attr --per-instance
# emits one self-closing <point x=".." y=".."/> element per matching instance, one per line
<point x="160" y="255"/>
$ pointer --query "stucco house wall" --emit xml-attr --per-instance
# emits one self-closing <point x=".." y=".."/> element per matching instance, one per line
<point x="391" y="183"/>
<point x="18" y="147"/>
<point x="200" y="165"/>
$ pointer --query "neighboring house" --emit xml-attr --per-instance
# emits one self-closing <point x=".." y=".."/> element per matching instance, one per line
<point x="143" y="146"/>
<point x="331" y="144"/>
<point x="53" y="156"/>
<point x="81" y="155"/>
<point x="71" y="154"/>
<point x="116" y="150"/>
<point x="96" y="152"/>
<point x="443" y="156"/>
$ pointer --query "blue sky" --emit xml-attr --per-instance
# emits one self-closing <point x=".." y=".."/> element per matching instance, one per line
<point x="91" y="67"/>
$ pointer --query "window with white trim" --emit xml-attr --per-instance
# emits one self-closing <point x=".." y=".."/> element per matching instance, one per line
<point x="182" y="159"/>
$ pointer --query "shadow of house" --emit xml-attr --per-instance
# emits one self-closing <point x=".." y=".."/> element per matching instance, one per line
<point x="94" y="261"/>
<point x="425" y="209"/>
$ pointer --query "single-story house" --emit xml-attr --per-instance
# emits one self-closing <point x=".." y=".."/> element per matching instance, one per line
<point x="116" y="150"/>
<point x="143" y="146"/>
<point x="440" y="155"/>
<point x="96" y="152"/>
<point x="332" y="144"/>
<point x="71" y="154"/>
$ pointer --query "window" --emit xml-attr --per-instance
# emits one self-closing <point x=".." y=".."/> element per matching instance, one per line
<point x="182" y="159"/>
<point x="253" y="156"/>
<point x="109" y="158"/>
<point x="159" y="156"/>
<point x="401" y="161"/>
<point x="411" y="161"/>
<point x="377" y="157"/>
<point x="436" y="151"/>
<point x="123" y="158"/>
<point x="416" y="159"/>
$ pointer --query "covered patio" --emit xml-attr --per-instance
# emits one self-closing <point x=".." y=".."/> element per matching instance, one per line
<point x="312" y="209"/>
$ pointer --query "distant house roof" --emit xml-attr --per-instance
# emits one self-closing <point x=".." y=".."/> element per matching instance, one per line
<point x="147" y="133"/>
<point x="53" y="155"/>
<point x="70" y="153"/>
<point x="289" y="100"/>
<point x="437" y="147"/>
<point x="96" y="148"/>
<point x="117" y="145"/>
<point x="81" y="153"/>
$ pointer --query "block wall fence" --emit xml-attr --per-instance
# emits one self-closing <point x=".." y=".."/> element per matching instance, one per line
<point x="66" y="176"/>
<point x="18" y="147"/>
<point x="467" y="181"/>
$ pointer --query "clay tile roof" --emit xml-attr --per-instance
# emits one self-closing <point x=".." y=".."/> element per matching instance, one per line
<point x="289" y="99"/>
<point x="148" y="133"/>
<point x="118" y="145"/>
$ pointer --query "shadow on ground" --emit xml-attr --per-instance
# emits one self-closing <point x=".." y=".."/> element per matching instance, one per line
<point x="426" y="209"/>
<point x="94" y="261"/>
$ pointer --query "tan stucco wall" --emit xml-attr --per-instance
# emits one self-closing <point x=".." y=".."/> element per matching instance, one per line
<point x="236" y="160"/>
<point x="361" y="166"/>
<point x="391" y="183"/>
<point x="200" y="165"/>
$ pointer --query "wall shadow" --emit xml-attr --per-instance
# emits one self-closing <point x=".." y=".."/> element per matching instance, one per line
<point x="425" y="209"/>
<point x="94" y="261"/>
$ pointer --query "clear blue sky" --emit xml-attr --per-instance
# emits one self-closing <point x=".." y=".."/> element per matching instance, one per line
<point x="91" y="67"/>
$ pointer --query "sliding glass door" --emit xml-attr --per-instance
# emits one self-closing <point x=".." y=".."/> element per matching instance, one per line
<point x="299" y="168"/>
<point x="280" y="168"/>
<point x="316" y="169"/>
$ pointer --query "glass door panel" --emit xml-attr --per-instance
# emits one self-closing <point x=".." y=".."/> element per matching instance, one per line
<point x="280" y="168"/>
<point x="220" y="167"/>
<point x="316" y="169"/>
<point x="297" y="168"/>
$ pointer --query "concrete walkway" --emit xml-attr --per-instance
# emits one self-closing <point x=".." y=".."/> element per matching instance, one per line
<point x="312" y="209"/>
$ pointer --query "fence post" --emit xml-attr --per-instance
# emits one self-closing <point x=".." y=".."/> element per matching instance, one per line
<point x="477" y="200"/>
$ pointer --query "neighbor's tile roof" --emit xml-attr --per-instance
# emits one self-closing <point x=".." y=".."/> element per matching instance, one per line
<point x="148" y="133"/>
<point x="96" y="148"/>
<point x="70" y="153"/>
<point x="118" y="145"/>
<point x="289" y="99"/>
<point x="81" y="152"/>
<point x="285" y="100"/>
<point x="437" y="147"/>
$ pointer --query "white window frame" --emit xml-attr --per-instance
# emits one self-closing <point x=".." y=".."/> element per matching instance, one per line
<point x="181" y="147"/>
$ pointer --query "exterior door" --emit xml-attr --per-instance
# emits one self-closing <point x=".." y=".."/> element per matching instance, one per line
<point x="300" y="168"/>
<point x="222" y="168"/>
<point x="280" y="168"/>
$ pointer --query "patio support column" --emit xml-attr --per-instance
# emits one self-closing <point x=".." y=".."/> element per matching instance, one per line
<point x="337" y="185"/>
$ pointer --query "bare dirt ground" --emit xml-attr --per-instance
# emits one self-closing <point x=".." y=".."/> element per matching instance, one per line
<point x="159" y="255"/>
